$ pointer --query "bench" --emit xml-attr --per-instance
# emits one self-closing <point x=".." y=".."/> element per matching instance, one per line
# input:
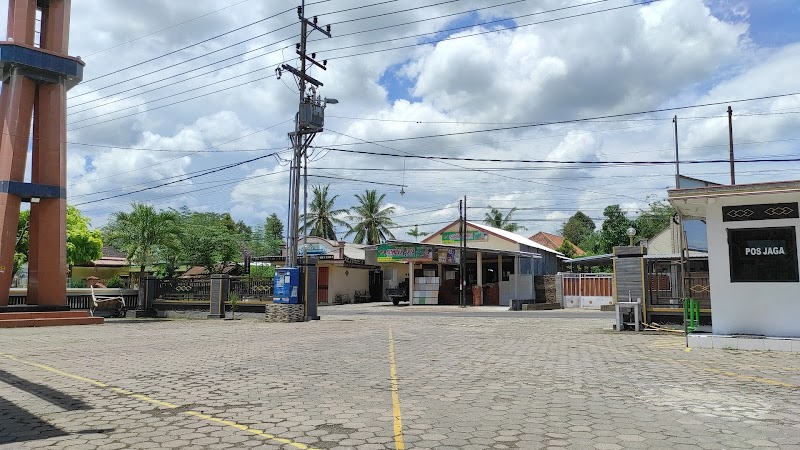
<point x="116" y="303"/>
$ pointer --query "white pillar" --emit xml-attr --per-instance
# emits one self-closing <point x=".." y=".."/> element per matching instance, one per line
<point x="410" y="283"/>
<point x="480" y="269"/>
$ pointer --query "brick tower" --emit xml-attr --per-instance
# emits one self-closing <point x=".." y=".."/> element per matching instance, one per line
<point x="35" y="85"/>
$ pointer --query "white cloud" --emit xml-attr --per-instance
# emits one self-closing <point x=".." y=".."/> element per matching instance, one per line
<point x="668" y="53"/>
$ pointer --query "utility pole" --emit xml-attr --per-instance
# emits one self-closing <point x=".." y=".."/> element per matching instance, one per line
<point x="461" y="265"/>
<point x="730" y="142"/>
<point x="309" y="121"/>
<point x="464" y="256"/>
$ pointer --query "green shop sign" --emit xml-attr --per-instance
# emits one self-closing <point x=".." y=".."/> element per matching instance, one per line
<point x="454" y="237"/>
<point x="401" y="253"/>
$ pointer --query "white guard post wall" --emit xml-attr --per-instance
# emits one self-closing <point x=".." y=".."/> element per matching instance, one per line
<point x="759" y="308"/>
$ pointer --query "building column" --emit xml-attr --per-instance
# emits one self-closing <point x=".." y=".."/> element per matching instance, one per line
<point x="516" y="277"/>
<point x="480" y="269"/>
<point x="410" y="283"/>
<point x="499" y="270"/>
<point x="16" y="109"/>
<point x="47" y="281"/>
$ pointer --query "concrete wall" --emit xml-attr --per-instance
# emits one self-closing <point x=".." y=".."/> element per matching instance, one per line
<point x="344" y="280"/>
<point x="771" y="309"/>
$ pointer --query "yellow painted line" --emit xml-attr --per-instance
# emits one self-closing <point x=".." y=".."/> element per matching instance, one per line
<point x="56" y="371"/>
<point x="145" y="398"/>
<point x="398" y="420"/>
<point x="750" y="378"/>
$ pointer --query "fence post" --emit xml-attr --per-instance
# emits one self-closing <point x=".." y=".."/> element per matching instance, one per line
<point x="151" y="284"/>
<point x="220" y="289"/>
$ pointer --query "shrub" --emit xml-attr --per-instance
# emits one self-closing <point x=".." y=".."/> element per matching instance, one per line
<point x="116" y="282"/>
<point x="262" y="271"/>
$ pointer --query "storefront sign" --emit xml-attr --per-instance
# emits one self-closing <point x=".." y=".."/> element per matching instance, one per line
<point x="763" y="254"/>
<point x="449" y="256"/>
<point x="454" y="237"/>
<point x="313" y="249"/>
<point x="404" y="253"/>
<point x="769" y="211"/>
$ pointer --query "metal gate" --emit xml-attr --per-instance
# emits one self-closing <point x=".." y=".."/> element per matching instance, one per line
<point x="587" y="290"/>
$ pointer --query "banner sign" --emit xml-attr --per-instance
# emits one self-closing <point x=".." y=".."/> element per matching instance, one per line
<point x="404" y="253"/>
<point x="454" y="237"/>
<point x="449" y="256"/>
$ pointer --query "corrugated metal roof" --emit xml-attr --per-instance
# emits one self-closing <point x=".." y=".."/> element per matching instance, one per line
<point x="513" y="237"/>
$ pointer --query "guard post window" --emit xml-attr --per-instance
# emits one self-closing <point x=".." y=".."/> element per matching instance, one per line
<point x="763" y="254"/>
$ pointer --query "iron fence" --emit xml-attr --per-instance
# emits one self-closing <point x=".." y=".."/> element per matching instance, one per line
<point x="185" y="289"/>
<point x="252" y="288"/>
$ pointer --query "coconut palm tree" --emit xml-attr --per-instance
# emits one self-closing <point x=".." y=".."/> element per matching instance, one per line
<point x="416" y="234"/>
<point x="372" y="220"/>
<point x="321" y="219"/>
<point x="495" y="218"/>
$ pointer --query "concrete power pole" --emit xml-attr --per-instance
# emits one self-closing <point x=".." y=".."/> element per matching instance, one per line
<point x="309" y="121"/>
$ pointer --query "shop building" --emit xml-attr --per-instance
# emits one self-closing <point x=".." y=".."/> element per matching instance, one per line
<point x="342" y="276"/>
<point x="503" y="264"/>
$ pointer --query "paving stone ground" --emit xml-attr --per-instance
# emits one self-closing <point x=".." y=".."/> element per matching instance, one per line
<point x="482" y="381"/>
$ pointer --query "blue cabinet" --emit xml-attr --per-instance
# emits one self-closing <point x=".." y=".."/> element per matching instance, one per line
<point x="285" y="288"/>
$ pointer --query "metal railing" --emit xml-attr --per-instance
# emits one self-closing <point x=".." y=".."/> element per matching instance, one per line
<point x="185" y="289"/>
<point x="252" y="288"/>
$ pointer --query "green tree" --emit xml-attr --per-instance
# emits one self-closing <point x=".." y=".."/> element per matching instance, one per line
<point x="210" y="240"/>
<point x="142" y="233"/>
<point x="495" y="218"/>
<point x="567" y="249"/>
<point x="273" y="234"/>
<point x="21" y="247"/>
<point x="83" y="244"/>
<point x="615" y="228"/>
<point x="322" y="217"/>
<point x="578" y="229"/>
<point x="653" y="219"/>
<point x="416" y="233"/>
<point x="372" y="220"/>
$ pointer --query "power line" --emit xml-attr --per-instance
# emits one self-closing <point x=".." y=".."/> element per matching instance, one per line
<point x="184" y="48"/>
<point x="162" y="98"/>
<point x="165" y="29"/>
<point x="204" y="173"/>
<point x="359" y="32"/>
<point x="209" y="53"/>
<point x="479" y="170"/>
<point x="569" y="121"/>
<point x="172" y="104"/>
<point x="544" y="161"/>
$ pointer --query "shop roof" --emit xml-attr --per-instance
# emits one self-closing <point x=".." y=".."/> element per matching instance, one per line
<point x="502" y="234"/>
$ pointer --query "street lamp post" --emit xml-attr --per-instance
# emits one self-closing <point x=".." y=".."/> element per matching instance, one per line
<point x="631" y="235"/>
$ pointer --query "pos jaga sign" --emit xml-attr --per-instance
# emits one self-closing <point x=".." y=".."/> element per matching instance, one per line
<point x="767" y="250"/>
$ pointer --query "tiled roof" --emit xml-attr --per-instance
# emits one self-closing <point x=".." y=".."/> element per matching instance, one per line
<point x="553" y="241"/>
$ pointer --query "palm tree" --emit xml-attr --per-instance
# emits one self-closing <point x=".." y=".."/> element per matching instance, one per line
<point x="321" y="219"/>
<point x="142" y="232"/>
<point x="415" y="233"/>
<point x="372" y="219"/>
<point x="495" y="218"/>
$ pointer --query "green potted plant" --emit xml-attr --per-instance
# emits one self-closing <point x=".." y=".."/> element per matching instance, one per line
<point x="233" y="299"/>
